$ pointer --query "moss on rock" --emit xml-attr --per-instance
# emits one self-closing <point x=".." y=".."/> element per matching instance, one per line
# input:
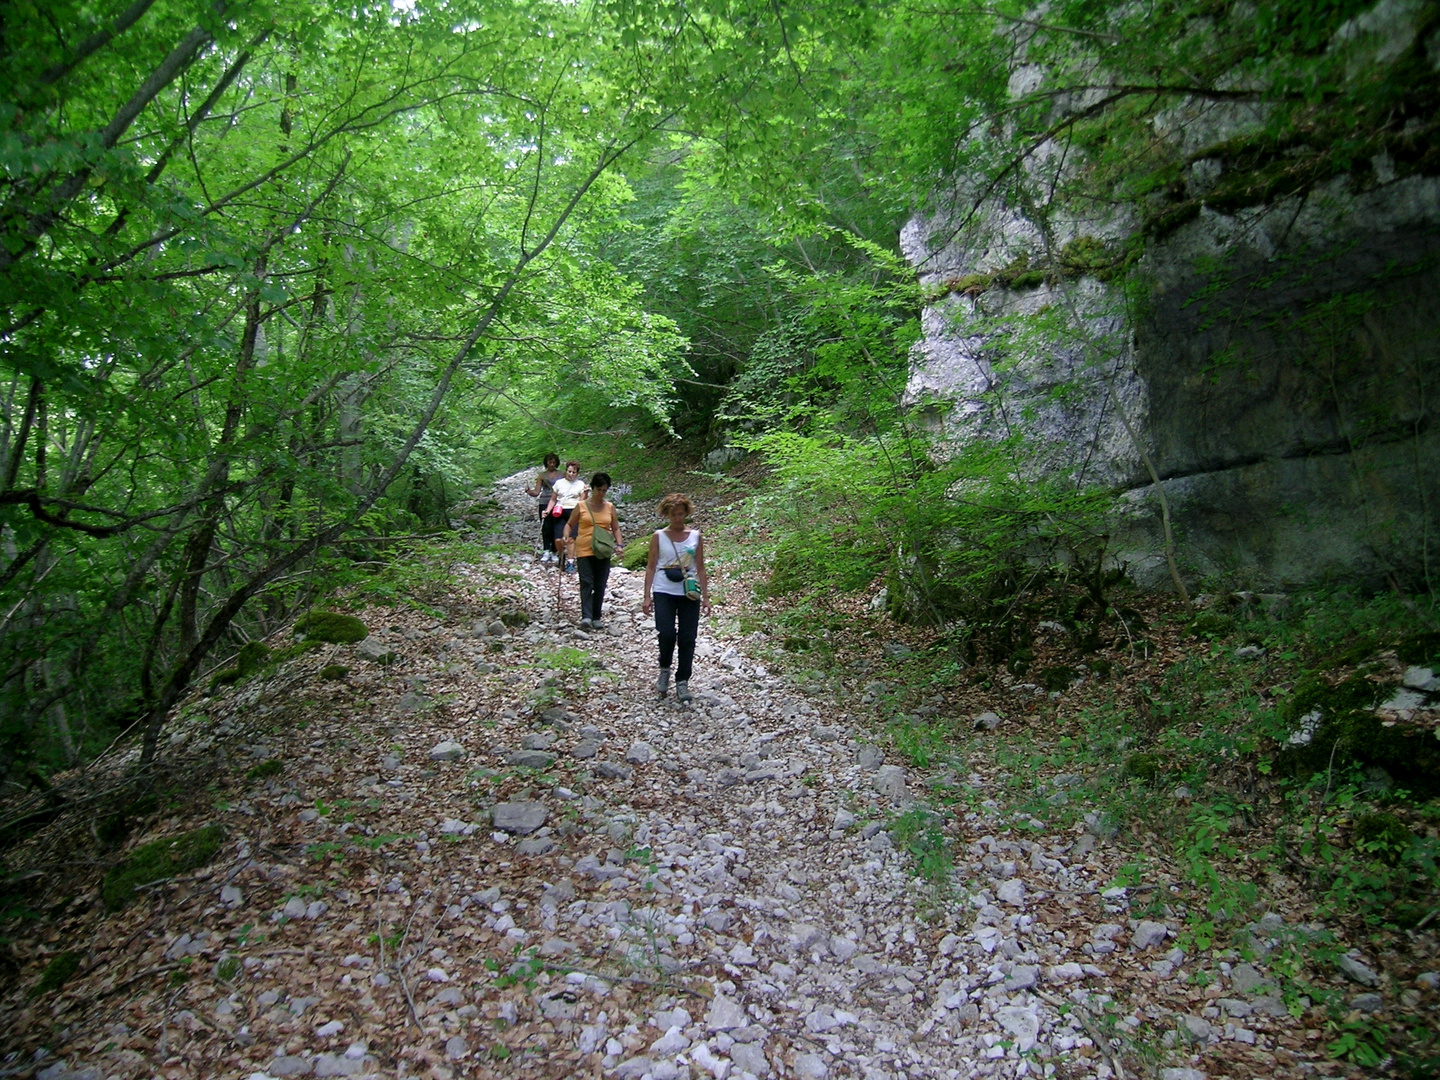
<point x="635" y="557"/>
<point x="332" y="627"/>
<point x="253" y="656"/>
<point x="57" y="973"/>
<point x="1058" y="678"/>
<point x="1148" y="768"/>
<point x="334" y="672"/>
<point x="265" y="769"/>
<point x="160" y="859"/>
<point x="1343" y="728"/>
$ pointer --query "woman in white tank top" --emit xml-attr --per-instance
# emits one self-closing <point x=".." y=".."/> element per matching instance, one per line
<point x="677" y="558"/>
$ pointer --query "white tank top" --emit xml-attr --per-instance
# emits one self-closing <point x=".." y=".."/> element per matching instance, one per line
<point x="679" y="553"/>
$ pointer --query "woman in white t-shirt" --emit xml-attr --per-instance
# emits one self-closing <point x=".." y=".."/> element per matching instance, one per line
<point x="677" y="553"/>
<point x="567" y="493"/>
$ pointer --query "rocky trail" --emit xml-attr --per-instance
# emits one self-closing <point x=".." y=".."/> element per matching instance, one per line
<point x="490" y="851"/>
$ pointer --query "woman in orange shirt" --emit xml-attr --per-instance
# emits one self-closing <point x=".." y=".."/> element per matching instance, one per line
<point x="593" y="513"/>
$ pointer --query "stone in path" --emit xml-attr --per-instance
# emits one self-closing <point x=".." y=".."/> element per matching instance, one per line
<point x="519" y="818"/>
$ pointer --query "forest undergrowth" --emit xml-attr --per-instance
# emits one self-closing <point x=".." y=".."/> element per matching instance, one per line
<point x="1075" y="705"/>
<point x="1242" y="751"/>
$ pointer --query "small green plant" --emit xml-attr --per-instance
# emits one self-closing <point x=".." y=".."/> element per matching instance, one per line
<point x="1382" y="836"/>
<point x="158" y="860"/>
<point x="1361" y="1042"/>
<point x="334" y="672"/>
<point x="57" y="973"/>
<point x="266" y="769"/>
<point x="228" y="968"/>
<point x="919" y="832"/>
<point x="922" y="744"/>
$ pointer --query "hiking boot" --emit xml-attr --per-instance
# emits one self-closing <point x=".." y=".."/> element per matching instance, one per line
<point x="597" y="624"/>
<point x="662" y="681"/>
<point x="682" y="691"/>
<point x="585" y="624"/>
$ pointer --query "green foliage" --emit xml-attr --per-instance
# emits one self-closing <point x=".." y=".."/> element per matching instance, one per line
<point x="1360" y="1041"/>
<point x="160" y="859"/>
<point x="332" y="627"/>
<point x="265" y="770"/>
<point x="1381" y="835"/>
<point x="57" y="973"/>
<point x="919" y="832"/>
<point x="334" y="672"/>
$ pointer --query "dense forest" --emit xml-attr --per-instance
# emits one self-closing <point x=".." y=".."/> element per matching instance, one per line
<point x="283" y="280"/>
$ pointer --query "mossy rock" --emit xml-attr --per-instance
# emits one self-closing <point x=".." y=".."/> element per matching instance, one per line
<point x="334" y="672"/>
<point x="1020" y="661"/>
<point x="57" y="973"/>
<point x="1211" y="624"/>
<point x="1101" y="669"/>
<point x="225" y="677"/>
<point x="160" y="859"/>
<point x="253" y="656"/>
<point x="514" y="618"/>
<point x="1058" y="678"/>
<point x="113" y="829"/>
<point x="1349" y="731"/>
<point x="1148" y="768"/>
<point x="796" y="644"/>
<point x="331" y="627"/>
<point x="1383" y="836"/>
<point x="265" y="769"/>
<point x="636" y="556"/>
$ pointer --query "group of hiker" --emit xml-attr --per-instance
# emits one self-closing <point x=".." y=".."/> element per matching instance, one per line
<point x="580" y="533"/>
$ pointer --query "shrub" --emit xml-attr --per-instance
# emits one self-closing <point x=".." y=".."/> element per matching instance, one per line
<point x="332" y="627"/>
<point x="160" y="859"/>
<point x="1381" y="835"/>
<point x="334" y="672"/>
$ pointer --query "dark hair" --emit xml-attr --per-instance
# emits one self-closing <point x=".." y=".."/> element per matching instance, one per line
<point x="575" y="463"/>
<point x="675" y="499"/>
<point x="600" y="479"/>
<point x="552" y="457"/>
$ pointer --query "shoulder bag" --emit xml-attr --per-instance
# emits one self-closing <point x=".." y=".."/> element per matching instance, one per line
<point x="602" y="541"/>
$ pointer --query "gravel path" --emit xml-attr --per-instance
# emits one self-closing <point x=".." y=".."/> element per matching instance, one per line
<point x="552" y="874"/>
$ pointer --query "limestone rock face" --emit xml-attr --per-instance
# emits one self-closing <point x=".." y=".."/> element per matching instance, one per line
<point x="1275" y="372"/>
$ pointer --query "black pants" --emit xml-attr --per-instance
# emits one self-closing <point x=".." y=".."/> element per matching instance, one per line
<point x="557" y="530"/>
<point x="594" y="573"/>
<point x="672" y="614"/>
<point x="547" y="531"/>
